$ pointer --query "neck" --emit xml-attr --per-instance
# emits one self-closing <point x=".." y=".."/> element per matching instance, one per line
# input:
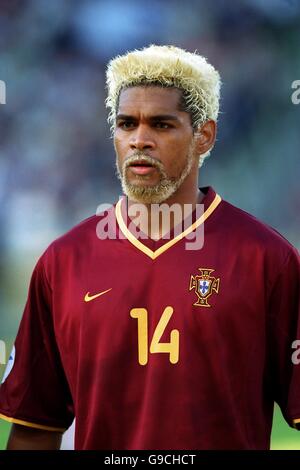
<point x="156" y="220"/>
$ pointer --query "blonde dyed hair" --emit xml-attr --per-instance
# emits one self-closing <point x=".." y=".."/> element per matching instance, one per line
<point x="167" y="66"/>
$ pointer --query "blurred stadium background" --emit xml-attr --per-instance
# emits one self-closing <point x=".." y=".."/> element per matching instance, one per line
<point x="56" y="156"/>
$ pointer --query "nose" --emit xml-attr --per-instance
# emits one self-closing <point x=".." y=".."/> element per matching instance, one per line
<point x="141" y="138"/>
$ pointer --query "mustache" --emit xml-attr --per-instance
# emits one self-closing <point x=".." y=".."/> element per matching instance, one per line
<point x="142" y="157"/>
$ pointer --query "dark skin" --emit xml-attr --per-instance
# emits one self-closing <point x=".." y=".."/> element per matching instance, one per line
<point x="26" y="438"/>
<point x="149" y="119"/>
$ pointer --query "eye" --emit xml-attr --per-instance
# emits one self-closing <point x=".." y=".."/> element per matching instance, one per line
<point x="126" y="124"/>
<point x="162" y="125"/>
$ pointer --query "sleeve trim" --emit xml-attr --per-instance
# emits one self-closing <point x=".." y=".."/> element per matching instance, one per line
<point x="30" y="425"/>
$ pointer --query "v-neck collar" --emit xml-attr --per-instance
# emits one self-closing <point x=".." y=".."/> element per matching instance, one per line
<point x="154" y="248"/>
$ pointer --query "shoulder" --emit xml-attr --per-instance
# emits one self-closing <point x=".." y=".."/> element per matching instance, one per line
<point x="80" y="239"/>
<point x="254" y="238"/>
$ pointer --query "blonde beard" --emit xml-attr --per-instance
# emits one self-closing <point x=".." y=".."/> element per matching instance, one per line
<point x="161" y="191"/>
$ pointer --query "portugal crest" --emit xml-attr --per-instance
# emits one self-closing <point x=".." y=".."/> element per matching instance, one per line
<point x="205" y="285"/>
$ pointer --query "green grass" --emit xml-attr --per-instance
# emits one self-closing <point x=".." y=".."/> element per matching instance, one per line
<point x="283" y="437"/>
<point x="4" y="431"/>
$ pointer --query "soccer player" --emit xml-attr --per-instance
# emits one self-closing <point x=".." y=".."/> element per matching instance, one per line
<point x="149" y="339"/>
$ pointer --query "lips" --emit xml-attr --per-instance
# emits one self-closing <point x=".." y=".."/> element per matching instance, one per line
<point x="141" y="163"/>
<point x="141" y="168"/>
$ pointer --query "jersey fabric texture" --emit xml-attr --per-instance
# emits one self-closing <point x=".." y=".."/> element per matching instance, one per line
<point x="153" y="346"/>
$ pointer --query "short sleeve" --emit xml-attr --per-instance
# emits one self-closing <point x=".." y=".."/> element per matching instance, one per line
<point x="284" y="315"/>
<point x="35" y="391"/>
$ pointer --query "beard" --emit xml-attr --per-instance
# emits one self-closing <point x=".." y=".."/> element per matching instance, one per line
<point x="161" y="191"/>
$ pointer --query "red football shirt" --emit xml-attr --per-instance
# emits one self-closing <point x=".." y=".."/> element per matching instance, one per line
<point x="153" y="346"/>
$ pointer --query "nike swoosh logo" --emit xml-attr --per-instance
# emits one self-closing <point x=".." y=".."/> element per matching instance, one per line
<point x="89" y="297"/>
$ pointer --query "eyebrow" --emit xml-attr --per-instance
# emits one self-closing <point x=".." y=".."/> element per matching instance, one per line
<point x="158" y="117"/>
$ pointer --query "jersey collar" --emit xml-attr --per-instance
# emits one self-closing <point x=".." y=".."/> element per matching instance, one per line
<point x="210" y="201"/>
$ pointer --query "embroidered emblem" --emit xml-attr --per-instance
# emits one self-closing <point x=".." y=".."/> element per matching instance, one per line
<point x="89" y="297"/>
<point x="205" y="285"/>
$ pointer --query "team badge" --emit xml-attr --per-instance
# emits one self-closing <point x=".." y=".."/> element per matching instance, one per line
<point x="205" y="285"/>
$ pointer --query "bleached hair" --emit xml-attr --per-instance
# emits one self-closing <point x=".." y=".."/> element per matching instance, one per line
<point x="167" y="66"/>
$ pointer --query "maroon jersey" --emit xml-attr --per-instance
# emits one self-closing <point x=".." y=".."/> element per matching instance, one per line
<point x="153" y="346"/>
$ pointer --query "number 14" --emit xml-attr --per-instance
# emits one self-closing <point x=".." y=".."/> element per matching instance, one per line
<point x="172" y="347"/>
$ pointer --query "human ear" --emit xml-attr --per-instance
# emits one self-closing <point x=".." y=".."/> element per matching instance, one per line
<point x="205" y="136"/>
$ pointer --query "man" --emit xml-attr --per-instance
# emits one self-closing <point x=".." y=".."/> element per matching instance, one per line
<point x="148" y="342"/>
